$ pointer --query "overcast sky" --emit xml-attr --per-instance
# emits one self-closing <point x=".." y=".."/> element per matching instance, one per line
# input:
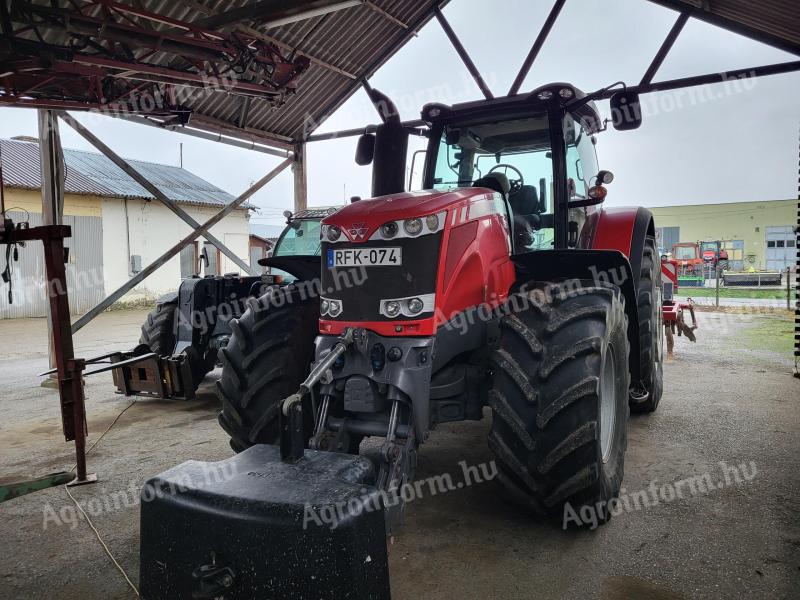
<point x="717" y="144"/>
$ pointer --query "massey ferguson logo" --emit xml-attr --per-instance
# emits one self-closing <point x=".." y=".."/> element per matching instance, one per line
<point x="357" y="231"/>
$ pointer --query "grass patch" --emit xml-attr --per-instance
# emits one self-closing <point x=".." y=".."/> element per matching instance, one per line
<point x="774" y="333"/>
<point x="735" y="293"/>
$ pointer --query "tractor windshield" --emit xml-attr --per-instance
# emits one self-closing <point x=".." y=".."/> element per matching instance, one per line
<point x="685" y="253"/>
<point x="471" y="155"/>
<point x="300" y="238"/>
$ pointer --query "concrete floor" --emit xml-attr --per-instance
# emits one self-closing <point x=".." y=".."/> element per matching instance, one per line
<point x="723" y="402"/>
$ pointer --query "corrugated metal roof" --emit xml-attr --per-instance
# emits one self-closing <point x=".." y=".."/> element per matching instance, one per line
<point x="93" y="173"/>
<point x="358" y="40"/>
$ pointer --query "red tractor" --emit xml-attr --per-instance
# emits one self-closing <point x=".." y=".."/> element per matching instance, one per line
<point x="689" y="259"/>
<point x="504" y="284"/>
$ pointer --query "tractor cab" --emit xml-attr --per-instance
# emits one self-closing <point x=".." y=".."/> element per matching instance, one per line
<point x="536" y="151"/>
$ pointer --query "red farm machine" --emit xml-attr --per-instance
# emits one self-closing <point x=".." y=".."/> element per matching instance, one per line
<point x="504" y="286"/>
<point x="674" y="311"/>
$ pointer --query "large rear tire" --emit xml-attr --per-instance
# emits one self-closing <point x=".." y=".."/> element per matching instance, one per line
<point x="560" y="399"/>
<point x="651" y="332"/>
<point x="267" y="358"/>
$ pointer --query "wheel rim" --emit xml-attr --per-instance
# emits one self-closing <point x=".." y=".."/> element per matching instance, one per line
<point x="608" y="404"/>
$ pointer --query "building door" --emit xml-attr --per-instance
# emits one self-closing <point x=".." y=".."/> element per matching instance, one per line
<point x="189" y="261"/>
<point x="85" y="283"/>
<point x="781" y="251"/>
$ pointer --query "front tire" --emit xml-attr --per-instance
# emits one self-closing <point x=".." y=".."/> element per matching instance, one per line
<point x="560" y="399"/>
<point x="651" y="332"/>
<point x="267" y="358"/>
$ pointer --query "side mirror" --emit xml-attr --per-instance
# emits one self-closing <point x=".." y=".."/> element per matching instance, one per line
<point x="626" y="111"/>
<point x="365" y="150"/>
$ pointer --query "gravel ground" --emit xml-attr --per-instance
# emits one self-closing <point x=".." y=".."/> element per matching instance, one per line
<point x="726" y="401"/>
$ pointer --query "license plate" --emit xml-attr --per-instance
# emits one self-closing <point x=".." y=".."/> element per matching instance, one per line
<point x="365" y="257"/>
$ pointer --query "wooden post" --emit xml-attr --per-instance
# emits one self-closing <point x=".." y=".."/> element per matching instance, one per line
<point x="52" y="176"/>
<point x="300" y="178"/>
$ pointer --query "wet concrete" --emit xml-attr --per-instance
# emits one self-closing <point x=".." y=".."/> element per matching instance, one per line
<point x="724" y="402"/>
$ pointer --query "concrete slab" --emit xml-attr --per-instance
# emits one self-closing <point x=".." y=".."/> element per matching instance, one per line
<point x="725" y="402"/>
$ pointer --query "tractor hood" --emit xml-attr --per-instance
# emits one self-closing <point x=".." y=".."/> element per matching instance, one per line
<point x="361" y="219"/>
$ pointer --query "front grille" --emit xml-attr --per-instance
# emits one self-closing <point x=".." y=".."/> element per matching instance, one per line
<point x="362" y="289"/>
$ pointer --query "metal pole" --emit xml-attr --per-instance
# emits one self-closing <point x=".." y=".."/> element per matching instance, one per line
<point x="300" y="178"/>
<point x="462" y="52"/>
<point x="788" y="288"/>
<point x="717" y="285"/>
<point x="146" y="184"/>
<point x="669" y="41"/>
<point x="201" y="230"/>
<point x="537" y="46"/>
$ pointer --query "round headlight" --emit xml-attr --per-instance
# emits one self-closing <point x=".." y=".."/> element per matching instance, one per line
<point x="334" y="233"/>
<point x="432" y="221"/>
<point x="545" y="95"/>
<point x="415" y="306"/>
<point x="389" y="230"/>
<point x="566" y="93"/>
<point x="392" y="308"/>
<point x="412" y="226"/>
<point x="324" y="306"/>
<point x="335" y="308"/>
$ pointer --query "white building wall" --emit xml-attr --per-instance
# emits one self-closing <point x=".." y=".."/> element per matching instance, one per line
<point x="152" y="230"/>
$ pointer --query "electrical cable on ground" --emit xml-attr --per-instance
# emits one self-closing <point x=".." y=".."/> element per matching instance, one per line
<point x="83" y="512"/>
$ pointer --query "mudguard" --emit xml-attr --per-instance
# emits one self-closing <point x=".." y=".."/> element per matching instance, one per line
<point x="609" y="266"/>
<point x="624" y="230"/>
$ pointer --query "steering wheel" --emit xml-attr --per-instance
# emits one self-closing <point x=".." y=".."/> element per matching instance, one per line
<point x="515" y="184"/>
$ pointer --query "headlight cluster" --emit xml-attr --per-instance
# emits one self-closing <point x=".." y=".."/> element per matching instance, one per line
<point x="330" y="233"/>
<point x="330" y="308"/>
<point x="410" y="228"/>
<point x="408" y="307"/>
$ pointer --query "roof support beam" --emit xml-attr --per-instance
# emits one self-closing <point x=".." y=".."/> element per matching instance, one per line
<point x="537" y="46"/>
<point x="711" y="78"/>
<point x="205" y="135"/>
<point x="669" y="41"/>
<point x="413" y="126"/>
<point x="462" y="53"/>
<point x="202" y="230"/>
<point x="412" y="30"/>
<point x="146" y="184"/>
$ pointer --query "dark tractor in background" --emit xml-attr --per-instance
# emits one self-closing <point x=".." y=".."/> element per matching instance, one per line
<point x="188" y="328"/>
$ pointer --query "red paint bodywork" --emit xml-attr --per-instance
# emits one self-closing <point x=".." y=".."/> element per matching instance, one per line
<point x="474" y="261"/>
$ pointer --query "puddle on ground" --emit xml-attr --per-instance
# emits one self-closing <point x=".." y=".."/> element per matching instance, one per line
<point x="623" y="587"/>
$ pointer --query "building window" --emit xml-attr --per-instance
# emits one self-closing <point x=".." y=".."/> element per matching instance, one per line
<point x="771" y="244"/>
<point x="189" y="261"/>
<point x="213" y="267"/>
